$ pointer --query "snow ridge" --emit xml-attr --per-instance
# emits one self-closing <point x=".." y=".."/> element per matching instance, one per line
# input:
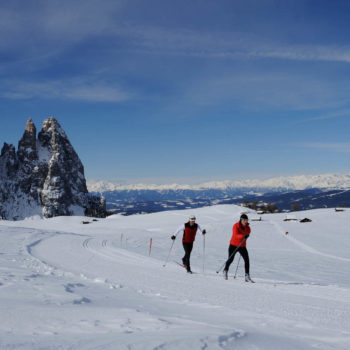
<point x="299" y="182"/>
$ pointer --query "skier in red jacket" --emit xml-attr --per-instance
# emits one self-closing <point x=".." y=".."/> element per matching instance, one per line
<point x="240" y="234"/>
<point x="189" y="230"/>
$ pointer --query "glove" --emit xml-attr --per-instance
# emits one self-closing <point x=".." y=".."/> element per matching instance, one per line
<point x="246" y="236"/>
<point x="204" y="232"/>
<point x="173" y="237"/>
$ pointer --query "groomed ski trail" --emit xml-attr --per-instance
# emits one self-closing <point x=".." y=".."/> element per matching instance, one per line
<point x="304" y="246"/>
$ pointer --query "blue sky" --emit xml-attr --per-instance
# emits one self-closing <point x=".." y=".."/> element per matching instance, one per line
<point x="182" y="90"/>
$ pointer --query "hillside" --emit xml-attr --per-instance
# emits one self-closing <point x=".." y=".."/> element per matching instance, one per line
<point x="69" y="285"/>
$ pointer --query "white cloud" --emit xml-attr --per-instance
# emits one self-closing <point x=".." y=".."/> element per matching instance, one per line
<point x="310" y="52"/>
<point x="43" y="33"/>
<point x="74" y="89"/>
<point x="274" y="90"/>
<point x="35" y="33"/>
<point x="229" y="45"/>
<point x="56" y="22"/>
<point x="54" y="26"/>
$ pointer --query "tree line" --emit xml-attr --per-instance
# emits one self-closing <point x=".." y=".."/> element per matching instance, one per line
<point x="266" y="207"/>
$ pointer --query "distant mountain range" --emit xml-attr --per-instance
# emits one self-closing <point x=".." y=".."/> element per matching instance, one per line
<point x="308" y="191"/>
<point x="299" y="182"/>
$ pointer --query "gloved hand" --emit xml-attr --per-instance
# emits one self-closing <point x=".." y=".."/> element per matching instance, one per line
<point x="173" y="237"/>
<point x="204" y="232"/>
<point x="246" y="236"/>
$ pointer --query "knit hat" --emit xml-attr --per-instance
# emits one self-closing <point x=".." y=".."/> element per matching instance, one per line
<point x="244" y="216"/>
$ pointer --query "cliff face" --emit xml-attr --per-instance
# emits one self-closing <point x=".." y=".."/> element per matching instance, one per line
<point x="44" y="177"/>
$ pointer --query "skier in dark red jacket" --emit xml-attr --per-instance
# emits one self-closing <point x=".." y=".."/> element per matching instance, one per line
<point x="189" y="230"/>
<point x="240" y="234"/>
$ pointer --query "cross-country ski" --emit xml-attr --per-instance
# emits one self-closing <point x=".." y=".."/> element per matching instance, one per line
<point x="185" y="267"/>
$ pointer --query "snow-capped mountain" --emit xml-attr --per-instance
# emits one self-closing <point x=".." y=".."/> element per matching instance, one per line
<point x="308" y="191"/>
<point x="299" y="182"/>
<point x="44" y="177"/>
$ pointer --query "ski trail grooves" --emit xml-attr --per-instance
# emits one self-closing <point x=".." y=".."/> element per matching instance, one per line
<point x="305" y="246"/>
<point x="106" y="251"/>
<point x="86" y="243"/>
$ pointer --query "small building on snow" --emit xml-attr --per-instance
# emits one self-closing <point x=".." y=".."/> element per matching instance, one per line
<point x="290" y="217"/>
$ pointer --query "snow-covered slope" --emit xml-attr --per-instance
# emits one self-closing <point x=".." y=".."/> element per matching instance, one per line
<point x="68" y="285"/>
<point x="300" y="182"/>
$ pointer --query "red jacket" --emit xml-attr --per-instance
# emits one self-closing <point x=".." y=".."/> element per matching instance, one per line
<point x="238" y="232"/>
<point x="189" y="233"/>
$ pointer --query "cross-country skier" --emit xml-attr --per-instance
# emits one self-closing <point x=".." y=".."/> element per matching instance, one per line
<point x="189" y="230"/>
<point x="240" y="234"/>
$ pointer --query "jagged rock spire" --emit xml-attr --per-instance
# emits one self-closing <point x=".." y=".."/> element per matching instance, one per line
<point x="65" y="172"/>
<point x="30" y="127"/>
<point x="27" y="144"/>
<point x="45" y="177"/>
<point x="8" y="161"/>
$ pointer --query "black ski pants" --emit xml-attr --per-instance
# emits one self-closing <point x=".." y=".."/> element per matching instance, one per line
<point x="188" y="249"/>
<point x="244" y="253"/>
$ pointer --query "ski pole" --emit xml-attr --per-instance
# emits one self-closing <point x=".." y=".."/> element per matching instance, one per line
<point x="237" y="265"/>
<point x="230" y="256"/>
<point x="166" y="261"/>
<point x="203" y="252"/>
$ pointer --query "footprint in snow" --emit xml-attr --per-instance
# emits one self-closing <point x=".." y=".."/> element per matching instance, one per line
<point x="115" y="286"/>
<point x="82" y="301"/>
<point x="225" y="340"/>
<point x="69" y="288"/>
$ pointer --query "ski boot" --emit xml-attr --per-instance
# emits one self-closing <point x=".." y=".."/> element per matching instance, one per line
<point x="247" y="278"/>
<point x="225" y="274"/>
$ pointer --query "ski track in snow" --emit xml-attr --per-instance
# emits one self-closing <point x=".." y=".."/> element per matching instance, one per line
<point x="86" y="288"/>
<point x="304" y="246"/>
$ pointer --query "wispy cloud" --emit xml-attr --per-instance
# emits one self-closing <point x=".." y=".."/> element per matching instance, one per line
<point x="328" y="146"/>
<point x="326" y="116"/>
<point x="41" y="34"/>
<point x="55" y="26"/>
<point x="233" y="44"/>
<point x="56" y="22"/>
<point x="73" y="89"/>
<point x="35" y="32"/>
<point x="331" y="53"/>
<point x="272" y="89"/>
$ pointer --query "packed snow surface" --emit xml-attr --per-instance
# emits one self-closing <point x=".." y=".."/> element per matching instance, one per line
<point x="69" y="285"/>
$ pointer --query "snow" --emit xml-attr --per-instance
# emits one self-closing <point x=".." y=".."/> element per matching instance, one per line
<point x="65" y="285"/>
<point x="23" y="205"/>
<point x="299" y="182"/>
<point x="44" y="154"/>
<point x="76" y="210"/>
<point x="51" y="125"/>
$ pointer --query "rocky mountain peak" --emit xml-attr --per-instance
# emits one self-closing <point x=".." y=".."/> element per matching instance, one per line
<point x="8" y="161"/>
<point x="30" y="127"/>
<point x="44" y="177"/>
<point x="27" y="144"/>
<point x="52" y="136"/>
<point x="52" y="126"/>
